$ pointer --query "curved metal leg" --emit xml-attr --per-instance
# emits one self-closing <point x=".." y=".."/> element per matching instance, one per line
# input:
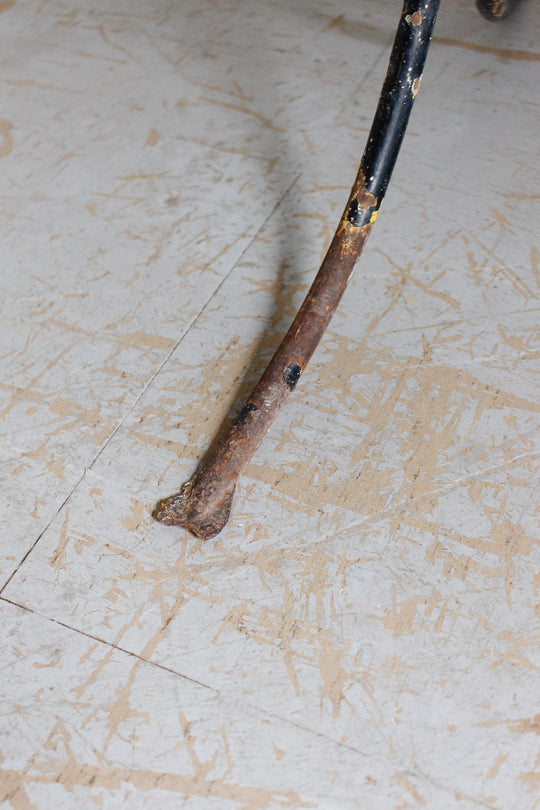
<point x="204" y="503"/>
<point x="496" y="9"/>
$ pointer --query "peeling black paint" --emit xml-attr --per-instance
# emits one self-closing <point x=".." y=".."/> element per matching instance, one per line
<point x="353" y="213"/>
<point x="248" y="408"/>
<point x="359" y="216"/>
<point x="292" y="373"/>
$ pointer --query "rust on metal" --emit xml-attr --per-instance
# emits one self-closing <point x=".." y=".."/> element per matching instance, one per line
<point x="414" y="19"/>
<point x="203" y="505"/>
<point x="496" y="9"/>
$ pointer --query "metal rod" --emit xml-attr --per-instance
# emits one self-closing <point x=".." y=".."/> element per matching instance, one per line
<point x="496" y="9"/>
<point x="203" y="505"/>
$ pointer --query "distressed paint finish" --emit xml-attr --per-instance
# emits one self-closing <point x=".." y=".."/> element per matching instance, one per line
<point x="204" y="503"/>
<point x="364" y="634"/>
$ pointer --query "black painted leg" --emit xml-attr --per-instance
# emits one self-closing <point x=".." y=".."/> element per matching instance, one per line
<point x="496" y="9"/>
<point x="204" y="503"/>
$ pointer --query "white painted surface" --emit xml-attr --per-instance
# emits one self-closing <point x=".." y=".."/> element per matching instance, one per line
<point x="365" y="632"/>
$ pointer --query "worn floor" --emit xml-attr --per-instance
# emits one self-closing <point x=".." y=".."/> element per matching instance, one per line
<point x="366" y="631"/>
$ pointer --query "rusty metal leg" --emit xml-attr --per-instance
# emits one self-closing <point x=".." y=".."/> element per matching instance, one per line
<point x="204" y="503"/>
<point x="496" y="9"/>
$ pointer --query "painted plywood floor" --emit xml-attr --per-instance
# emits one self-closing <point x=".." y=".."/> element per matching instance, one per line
<point x="365" y="633"/>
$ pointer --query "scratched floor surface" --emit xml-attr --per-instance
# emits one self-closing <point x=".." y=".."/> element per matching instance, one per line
<point x="365" y="634"/>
